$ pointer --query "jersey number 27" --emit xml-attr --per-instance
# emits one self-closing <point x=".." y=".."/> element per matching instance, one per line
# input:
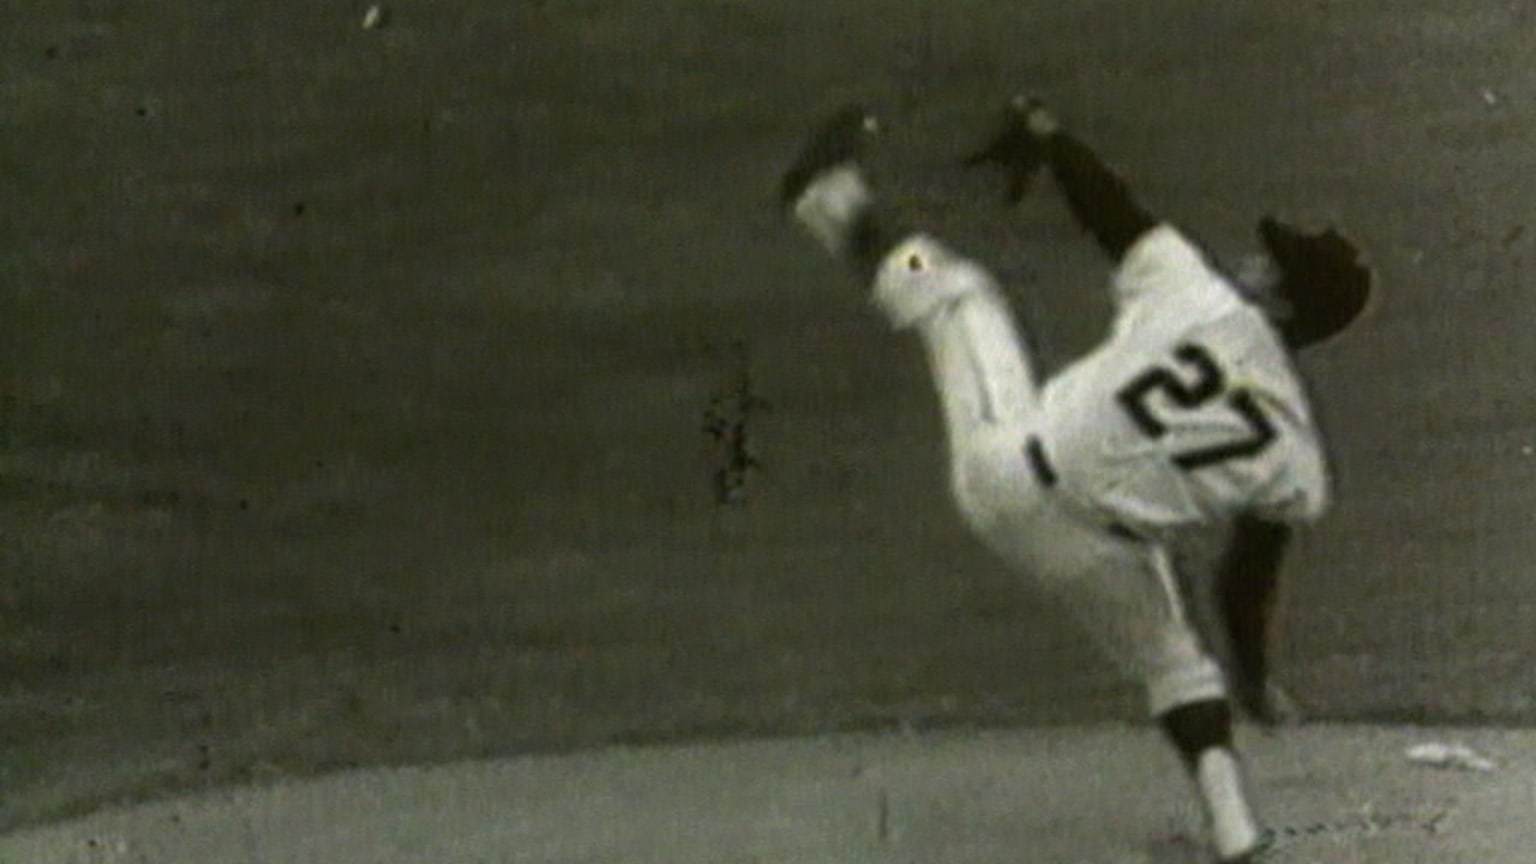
<point x="1203" y="383"/>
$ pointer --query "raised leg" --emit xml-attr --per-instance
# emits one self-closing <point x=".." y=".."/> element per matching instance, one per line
<point x="978" y="357"/>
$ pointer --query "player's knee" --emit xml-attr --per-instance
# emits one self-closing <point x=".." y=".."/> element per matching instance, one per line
<point x="921" y="276"/>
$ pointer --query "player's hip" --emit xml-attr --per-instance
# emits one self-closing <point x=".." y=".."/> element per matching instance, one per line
<point x="1151" y="492"/>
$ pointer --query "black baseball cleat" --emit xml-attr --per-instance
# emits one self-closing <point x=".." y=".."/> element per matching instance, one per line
<point x="1019" y="145"/>
<point x="840" y="140"/>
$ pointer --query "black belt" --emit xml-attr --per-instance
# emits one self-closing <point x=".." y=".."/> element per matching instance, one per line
<point x="1045" y="474"/>
<point x="1040" y="464"/>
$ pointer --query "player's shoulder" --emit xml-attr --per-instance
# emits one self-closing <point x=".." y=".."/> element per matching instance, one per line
<point x="1243" y="333"/>
<point x="1166" y="265"/>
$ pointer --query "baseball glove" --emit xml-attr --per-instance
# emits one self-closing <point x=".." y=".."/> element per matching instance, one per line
<point x="1019" y="145"/>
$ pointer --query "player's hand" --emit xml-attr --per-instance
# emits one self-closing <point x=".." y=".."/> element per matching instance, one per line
<point x="1040" y="120"/>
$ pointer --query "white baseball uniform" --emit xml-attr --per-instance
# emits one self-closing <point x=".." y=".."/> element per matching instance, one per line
<point x="1188" y="413"/>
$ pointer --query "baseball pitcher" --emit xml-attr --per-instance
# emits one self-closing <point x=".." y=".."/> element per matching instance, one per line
<point x="1189" y="414"/>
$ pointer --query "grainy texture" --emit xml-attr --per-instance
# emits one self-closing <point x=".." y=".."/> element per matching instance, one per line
<point x="357" y="382"/>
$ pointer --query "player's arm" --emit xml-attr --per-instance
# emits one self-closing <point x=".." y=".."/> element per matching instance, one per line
<point x="1099" y="198"/>
<point x="1246" y="581"/>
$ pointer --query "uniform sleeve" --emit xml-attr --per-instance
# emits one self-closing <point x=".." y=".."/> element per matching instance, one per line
<point x="1099" y="198"/>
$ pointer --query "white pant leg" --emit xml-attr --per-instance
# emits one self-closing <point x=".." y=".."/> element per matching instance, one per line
<point x="1181" y="667"/>
<point x="979" y="359"/>
<point x="1123" y="594"/>
<point x="980" y="366"/>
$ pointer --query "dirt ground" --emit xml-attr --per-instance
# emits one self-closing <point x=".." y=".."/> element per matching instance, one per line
<point x="357" y="383"/>
<point x="1335" y="794"/>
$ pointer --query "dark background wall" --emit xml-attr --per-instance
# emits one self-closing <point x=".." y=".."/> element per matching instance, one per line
<point x="357" y="383"/>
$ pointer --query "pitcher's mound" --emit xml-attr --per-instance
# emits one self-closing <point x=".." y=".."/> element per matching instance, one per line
<point x="1104" y="795"/>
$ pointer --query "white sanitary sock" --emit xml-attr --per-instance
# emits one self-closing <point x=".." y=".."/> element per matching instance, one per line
<point x="832" y="203"/>
<point x="1220" y="778"/>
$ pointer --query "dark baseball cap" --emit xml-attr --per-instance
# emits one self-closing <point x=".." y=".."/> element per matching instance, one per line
<point x="1324" y="280"/>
